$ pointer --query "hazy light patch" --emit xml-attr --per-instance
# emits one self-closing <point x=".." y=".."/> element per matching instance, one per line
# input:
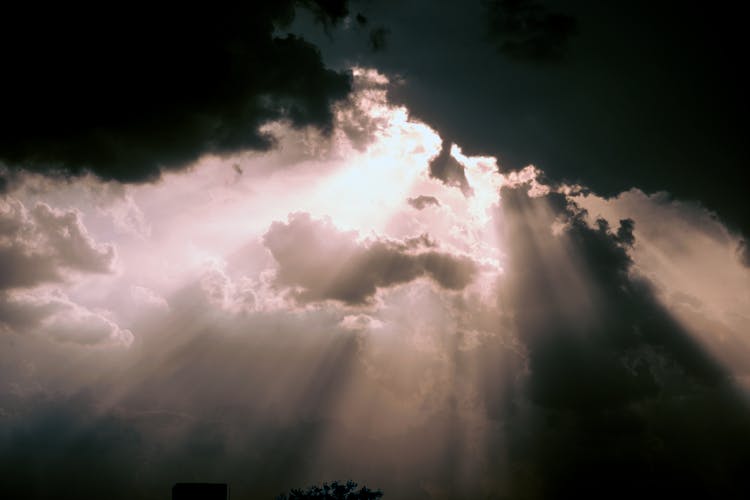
<point x="485" y="181"/>
<point x="128" y="217"/>
<point x="214" y="334"/>
<point x="183" y="229"/>
<point x="227" y="294"/>
<point x="691" y="258"/>
<point x="569" y="292"/>
<point x="329" y="296"/>
<point x="376" y="181"/>
<point x="148" y="298"/>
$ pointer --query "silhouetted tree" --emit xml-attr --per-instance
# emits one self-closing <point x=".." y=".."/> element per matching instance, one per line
<point x="333" y="491"/>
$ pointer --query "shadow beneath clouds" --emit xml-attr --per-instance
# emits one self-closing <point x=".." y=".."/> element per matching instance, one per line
<point x="619" y="400"/>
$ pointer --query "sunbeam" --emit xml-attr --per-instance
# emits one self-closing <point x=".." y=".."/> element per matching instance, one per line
<point x="365" y="299"/>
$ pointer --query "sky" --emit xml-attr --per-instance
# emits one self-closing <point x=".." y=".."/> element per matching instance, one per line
<point x="487" y="249"/>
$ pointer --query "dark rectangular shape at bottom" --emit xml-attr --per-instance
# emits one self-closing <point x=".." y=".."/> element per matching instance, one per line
<point x="200" y="491"/>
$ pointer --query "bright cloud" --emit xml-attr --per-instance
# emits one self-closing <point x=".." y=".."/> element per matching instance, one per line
<point x="347" y="281"/>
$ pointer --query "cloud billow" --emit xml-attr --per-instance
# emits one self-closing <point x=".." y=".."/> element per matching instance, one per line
<point x="324" y="263"/>
<point x="128" y="94"/>
<point x="42" y="245"/>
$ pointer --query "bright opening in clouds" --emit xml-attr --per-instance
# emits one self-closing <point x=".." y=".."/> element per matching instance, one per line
<point x="309" y="280"/>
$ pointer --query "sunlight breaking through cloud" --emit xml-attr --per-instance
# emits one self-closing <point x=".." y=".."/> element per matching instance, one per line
<point x="288" y="310"/>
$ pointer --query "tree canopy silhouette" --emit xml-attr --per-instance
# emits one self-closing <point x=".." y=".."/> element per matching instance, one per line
<point x="333" y="491"/>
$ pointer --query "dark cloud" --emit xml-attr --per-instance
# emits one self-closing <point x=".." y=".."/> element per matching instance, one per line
<point x="526" y="30"/>
<point x="43" y="244"/>
<point x="128" y="93"/>
<point x="361" y="19"/>
<point x="585" y="299"/>
<point x="625" y="232"/>
<point x="743" y="251"/>
<point x="446" y="168"/>
<point x="327" y="264"/>
<point x="379" y="38"/>
<point x="422" y="201"/>
<point x="648" y="96"/>
<point x="326" y="11"/>
<point x="611" y="374"/>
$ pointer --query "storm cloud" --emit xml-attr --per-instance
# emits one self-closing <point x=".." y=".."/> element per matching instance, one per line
<point x="130" y="93"/>
<point x="609" y="96"/>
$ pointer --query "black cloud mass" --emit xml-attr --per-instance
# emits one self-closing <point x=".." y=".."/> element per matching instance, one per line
<point x="127" y="92"/>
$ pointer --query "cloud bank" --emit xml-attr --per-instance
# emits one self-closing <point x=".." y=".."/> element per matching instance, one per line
<point x="129" y="94"/>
